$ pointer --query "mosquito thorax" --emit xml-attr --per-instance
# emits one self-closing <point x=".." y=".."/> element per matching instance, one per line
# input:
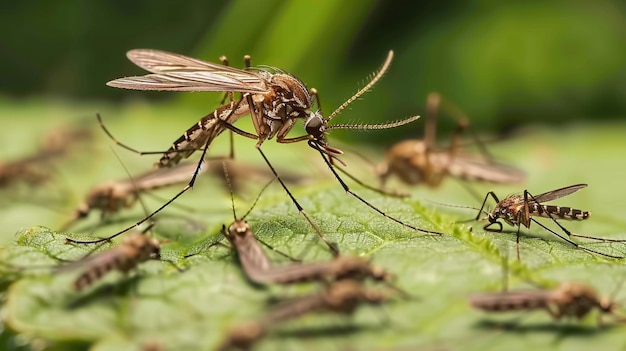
<point x="291" y="97"/>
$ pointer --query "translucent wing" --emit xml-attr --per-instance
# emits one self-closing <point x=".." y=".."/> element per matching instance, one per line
<point x="175" y="72"/>
<point x="558" y="193"/>
<point x="470" y="167"/>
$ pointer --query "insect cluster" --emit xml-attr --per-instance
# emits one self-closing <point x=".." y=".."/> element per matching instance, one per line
<point x="275" y="101"/>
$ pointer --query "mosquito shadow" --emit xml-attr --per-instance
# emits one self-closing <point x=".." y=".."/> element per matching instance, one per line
<point x="562" y="329"/>
<point x="325" y="332"/>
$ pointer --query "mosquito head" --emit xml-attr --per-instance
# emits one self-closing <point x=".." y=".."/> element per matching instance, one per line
<point x="607" y="305"/>
<point x="315" y="126"/>
<point x="82" y="211"/>
<point x="239" y="228"/>
<point x="154" y="248"/>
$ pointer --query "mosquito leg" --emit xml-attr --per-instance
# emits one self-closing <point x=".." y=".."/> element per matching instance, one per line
<point x="189" y="185"/>
<point x="468" y="188"/>
<point x="517" y="241"/>
<point x="573" y="243"/>
<point x="430" y="130"/>
<point x="278" y="251"/>
<point x="493" y="195"/>
<point x="139" y="152"/>
<point x="332" y="247"/>
<point x="347" y="189"/>
<point x="372" y="188"/>
<point x="463" y="124"/>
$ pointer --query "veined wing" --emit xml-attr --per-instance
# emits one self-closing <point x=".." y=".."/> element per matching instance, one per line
<point x="168" y="176"/>
<point x="471" y="167"/>
<point x="558" y="193"/>
<point x="173" y="72"/>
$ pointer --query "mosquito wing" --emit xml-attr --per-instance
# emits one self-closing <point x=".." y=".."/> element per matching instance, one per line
<point x="174" y="72"/>
<point x="166" y="176"/>
<point x="474" y="168"/>
<point x="558" y="193"/>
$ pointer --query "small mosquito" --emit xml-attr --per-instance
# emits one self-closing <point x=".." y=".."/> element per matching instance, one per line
<point x="134" y="249"/>
<point x="36" y="169"/>
<point x="340" y="297"/>
<point x="260" y="270"/>
<point x="275" y="100"/>
<point x="112" y="196"/>
<point x="569" y="300"/>
<point x="518" y="210"/>
<point x="416" y="161"/>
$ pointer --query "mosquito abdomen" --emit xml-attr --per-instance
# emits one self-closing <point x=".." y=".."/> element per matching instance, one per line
<point x="560" y="212"/>
<point x="503" y="302"/>
<point x="94" y="274"/>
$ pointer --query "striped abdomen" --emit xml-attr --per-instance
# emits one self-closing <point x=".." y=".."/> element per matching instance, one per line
<point x="106" y="262"/>
<point x="558" y="212"/>
<point x="510" y="301"/>
<point x="206" y="130"/>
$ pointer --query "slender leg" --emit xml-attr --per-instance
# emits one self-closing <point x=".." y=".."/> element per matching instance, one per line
<point x="347" y="189"/>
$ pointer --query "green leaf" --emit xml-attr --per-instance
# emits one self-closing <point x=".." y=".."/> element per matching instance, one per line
<point x="193" y="309"/>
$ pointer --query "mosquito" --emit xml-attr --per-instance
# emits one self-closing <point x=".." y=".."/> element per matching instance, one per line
<point x="134" y="249"/>
<point x="569" y="300"/>
<point x="340" y="297"/>
<point x="274" y="100"/>
<point x="260" y="270"/>
<point x="111" y="196"/>
<point x="416" y="161"/>
<point x="36" y="169"/>
<point x="519" y="210"/>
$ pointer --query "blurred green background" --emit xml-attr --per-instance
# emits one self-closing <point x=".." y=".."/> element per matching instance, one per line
<point x="505" y="63"/>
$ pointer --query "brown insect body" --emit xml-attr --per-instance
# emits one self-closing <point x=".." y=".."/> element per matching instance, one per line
<point x="134" y="249"/>
<point x="570" y="299"/>
<point x="253" y="259"/>
<point x="340" y="268"/>
<point x="340" y="297"/>
<point x="417" y="161"/>
<point x="111" y="196"/>
<point x="276" y="98"/>
<point x="259" y="269"/>
<point x="414" y="163"/>
<point x="518" y="209"/>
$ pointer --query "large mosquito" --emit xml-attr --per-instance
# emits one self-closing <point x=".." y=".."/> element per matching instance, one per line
<point x="519" y="210"/>
<point x="416" y="161"/>
<point x="274" y="100"/>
